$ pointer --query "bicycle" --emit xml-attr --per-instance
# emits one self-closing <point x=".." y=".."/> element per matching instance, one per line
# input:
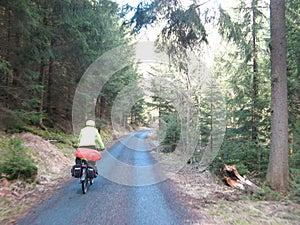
<point x="84" y="172"/>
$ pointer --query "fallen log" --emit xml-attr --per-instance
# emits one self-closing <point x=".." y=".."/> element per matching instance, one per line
<point x="233" y="179"/>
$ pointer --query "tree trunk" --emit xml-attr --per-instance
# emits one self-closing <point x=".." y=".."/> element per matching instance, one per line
<point x="254" y="73"/>
<point x="278" y="170"/>
<point x="42" y="94"/>
<point x="103" y="107"/>
<point x="8" y="23"/>
<point x="50" y="86"/>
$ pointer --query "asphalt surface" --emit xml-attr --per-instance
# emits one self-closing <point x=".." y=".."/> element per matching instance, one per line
<point x="116" y="197"/>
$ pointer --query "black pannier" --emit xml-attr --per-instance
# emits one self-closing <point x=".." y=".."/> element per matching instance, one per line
<point x="91" y="172"/>
<point x="76" y="171"/>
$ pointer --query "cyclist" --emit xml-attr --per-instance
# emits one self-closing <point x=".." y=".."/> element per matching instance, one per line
<point x="89" y="137"/>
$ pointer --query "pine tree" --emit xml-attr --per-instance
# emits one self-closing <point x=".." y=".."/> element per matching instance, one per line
<point x="278" y="169"/>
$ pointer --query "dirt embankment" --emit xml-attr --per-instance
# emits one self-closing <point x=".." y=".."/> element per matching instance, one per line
<point x="53" y="167"/>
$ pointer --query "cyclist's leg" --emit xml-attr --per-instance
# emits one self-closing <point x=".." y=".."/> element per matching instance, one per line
<point x="77" y="160"/>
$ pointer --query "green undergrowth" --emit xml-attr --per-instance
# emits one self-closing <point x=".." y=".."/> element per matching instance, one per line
<point x="65" y="142"/>
<point x="265" y="193"/>
<point x="61" y="139"/>
<point x="52" y="135"/>
<point x="295" y="184"/>
<point x="15" y="161"/>
<point x="106" y="135"/>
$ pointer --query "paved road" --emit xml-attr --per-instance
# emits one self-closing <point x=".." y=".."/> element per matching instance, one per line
<point x="108" y="202"/>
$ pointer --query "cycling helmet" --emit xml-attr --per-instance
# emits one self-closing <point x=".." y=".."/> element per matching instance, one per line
<point x="90" y="123"/>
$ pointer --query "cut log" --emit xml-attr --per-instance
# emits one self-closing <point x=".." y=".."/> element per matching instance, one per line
<point x="234" y="179"/>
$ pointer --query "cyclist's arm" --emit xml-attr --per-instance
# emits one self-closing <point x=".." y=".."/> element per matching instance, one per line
<point x="99" y="141"/>
<point x="79" y="138"/>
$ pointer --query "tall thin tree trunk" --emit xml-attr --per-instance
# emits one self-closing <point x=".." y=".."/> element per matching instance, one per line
<point x="42" y="94"/>
<point x="50" y="80"/>
<point x="278" y="170"/>
<point x="9" y="25"/>
<point x="254" y="73"/>
<point x="103" y="108"/>
<point x="49" y="90"/>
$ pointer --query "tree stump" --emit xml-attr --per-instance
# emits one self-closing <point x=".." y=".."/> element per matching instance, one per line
<point x="233" y="179"/>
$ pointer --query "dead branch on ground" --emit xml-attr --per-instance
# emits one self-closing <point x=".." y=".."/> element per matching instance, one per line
<point x="234" y="179"/>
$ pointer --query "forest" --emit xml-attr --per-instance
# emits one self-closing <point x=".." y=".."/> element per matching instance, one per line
<point x="46" y="47"/>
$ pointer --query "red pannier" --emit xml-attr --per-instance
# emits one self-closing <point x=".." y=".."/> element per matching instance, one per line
<point x="89" y="154"/>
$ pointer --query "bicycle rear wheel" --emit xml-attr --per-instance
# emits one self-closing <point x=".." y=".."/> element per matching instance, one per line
<point x="84" y="184"/>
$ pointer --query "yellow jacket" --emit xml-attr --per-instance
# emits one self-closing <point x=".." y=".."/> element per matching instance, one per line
<point x="89" y="136"/>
